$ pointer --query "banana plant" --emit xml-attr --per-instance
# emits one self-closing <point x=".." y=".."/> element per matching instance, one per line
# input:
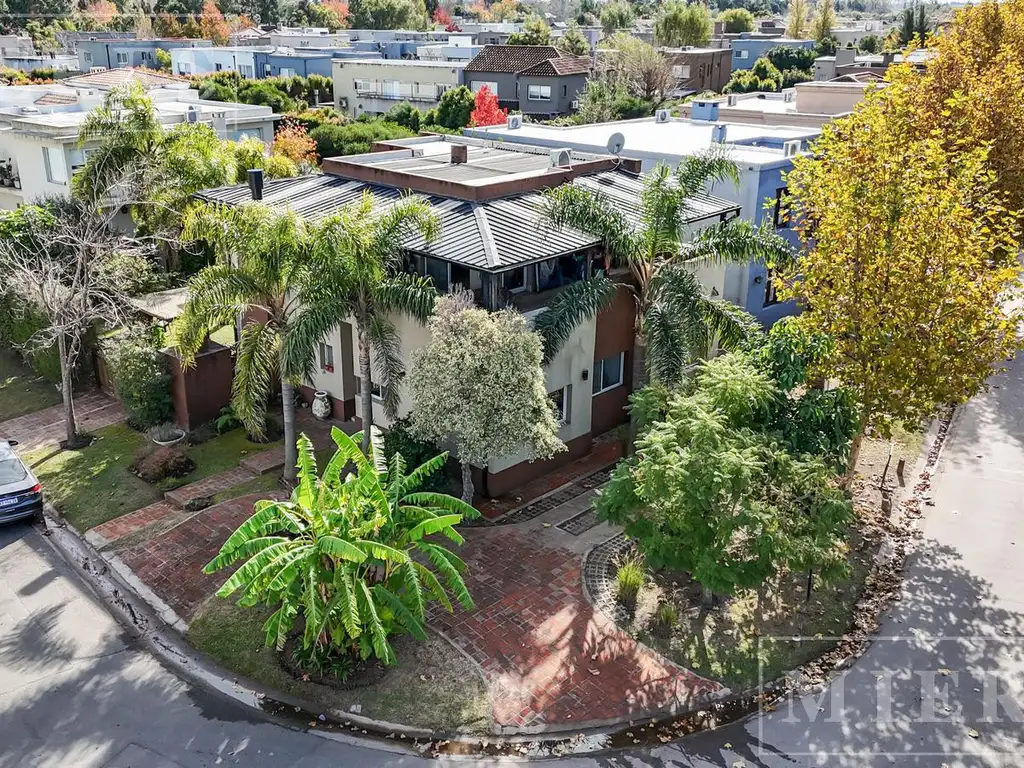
<point x="353" y="555"/>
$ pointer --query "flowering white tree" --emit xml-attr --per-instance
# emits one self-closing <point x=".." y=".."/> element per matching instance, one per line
<point x="479" y="386"/>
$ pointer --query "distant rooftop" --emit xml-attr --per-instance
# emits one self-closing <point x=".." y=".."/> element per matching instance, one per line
<point x="404" y="63"/>
<point x="649" y="139"/>
<point x="108" y="79"/>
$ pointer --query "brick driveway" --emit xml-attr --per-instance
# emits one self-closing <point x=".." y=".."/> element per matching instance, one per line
<point x="93" y="410"/>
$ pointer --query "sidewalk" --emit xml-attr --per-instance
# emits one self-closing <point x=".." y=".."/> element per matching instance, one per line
<point x="93" y="410"/>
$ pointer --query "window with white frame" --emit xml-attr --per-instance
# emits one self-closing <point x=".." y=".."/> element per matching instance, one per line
<point x="121" y="57"/>
<point x="218" y="66"/>
<point x="287" y="72"/>
<point x="608" y="373"/>
<point x="682" y="71"/>
<point x="742" y="54"/>
<point x="88" y="57"/>
<point x="771" y="296"/>
<point x="476" y="85"/>
<point x="146" y="56"/>
<point x="326" y="357"/>
<point x="56" y="166"/>
<point x="538" y="92"/>
<point x="184" y="68"/>
<point x="561" y="403"/>
<point x="245" y="70"/>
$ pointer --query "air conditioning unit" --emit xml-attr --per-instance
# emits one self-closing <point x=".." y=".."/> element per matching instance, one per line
<point x="515" y="122"/>
<point x="191" y="115"/>
<point x="730" y="100"/>
<point x="791" y="148"/>
<point x="97" y="69"/>
<point x="560" y="158"/>
<point x="718" y="133"/>
<point x="662" y="116"/>
<point x="789" y="96"/>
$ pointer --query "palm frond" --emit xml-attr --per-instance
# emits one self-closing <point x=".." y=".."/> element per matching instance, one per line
<point x="412" y="295"/>
<point x="566" y="311"/>
<point x="255" y="366"/>
<point x="738" y="241"/>
<point x="217" y="296"/>
<point x="387" y="360"/>
<point x="711" y="166"/>
<point x="591" y="212"/>
<point x="410" y="216"/>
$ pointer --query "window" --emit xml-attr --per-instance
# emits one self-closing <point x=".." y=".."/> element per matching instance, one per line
<point x="56" y="168"/>
<point x="266" y="70"/>
<point x="514" y="280"/>
<point x="781" y="214"/>
<point x="218" y="67"/>
<point x="565" y="91"/>
<point x="682" y="71"/>
<point x="770" y="295"/>
<point x="608" y="373"/>
<point x="287" y="72"/>
<point x="88" y="57"/>
<point x="538" y="92"/>
<point x="184" y="68"/>
<point x="742" y="54"/>
<point x="561" y="403"/>
<point x="245" y="70"/>
<point x="326" y="357"/>
<point x="122" y="57"/>
<point x="146" y="56"/>
<point x="437" y="270"/>
<point x="476" y="85"/>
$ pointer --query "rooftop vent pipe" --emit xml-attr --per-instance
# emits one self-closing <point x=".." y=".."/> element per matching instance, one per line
<point x="256" y="183"/>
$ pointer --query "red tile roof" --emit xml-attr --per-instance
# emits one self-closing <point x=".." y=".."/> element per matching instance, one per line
<point x="113" y="78"/>
<point x="511" y="58"/>
<point x="565" y="65"/>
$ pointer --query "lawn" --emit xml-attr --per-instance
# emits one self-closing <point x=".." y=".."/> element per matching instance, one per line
<point x="93" y="485"/>
<point x="433" y="686"/>
<point x="21" y="390"/>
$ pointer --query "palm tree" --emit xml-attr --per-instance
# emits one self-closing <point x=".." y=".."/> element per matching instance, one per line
<point x="351" y="552"/>
<point x="360" y="251"/>
<point x="263" y="275"/>
<point x="675" y="322"/>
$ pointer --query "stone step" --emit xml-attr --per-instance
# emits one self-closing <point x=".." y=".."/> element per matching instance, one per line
<point x="264" y="462"/>
<point x="208" y="486"/>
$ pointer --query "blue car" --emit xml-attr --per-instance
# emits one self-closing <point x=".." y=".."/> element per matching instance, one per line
<point x="21" y="495"/>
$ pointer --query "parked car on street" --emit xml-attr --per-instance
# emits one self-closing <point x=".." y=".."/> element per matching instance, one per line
<point x="21" y="495"/>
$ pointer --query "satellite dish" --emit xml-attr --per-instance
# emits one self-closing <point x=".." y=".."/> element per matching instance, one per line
<point x="615" y="143"/>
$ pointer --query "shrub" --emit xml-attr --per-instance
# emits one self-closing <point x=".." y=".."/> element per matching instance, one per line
<point x="667" y="615"/>
<point x="131" y="273"/>
<point x="160" y="463"/>
<point x="399" y="439"/>
<point x="791" y="77"/>
<point x="324" y="661"/>
<point x="141" y="376"/>
<point x="455" y="107"/>
<point x="18" y="323"/>
<point x="228" y="420"/>
<point x="405" y="114"/>
<point x="785" y="57"/>
<point x="355" y="138"/>
<point x="737" y="20"/>
<point x="279" y="167"/>
<point x="314" y="118"/>
<point x="292" y="141"/>
<point x="629" y="579"/>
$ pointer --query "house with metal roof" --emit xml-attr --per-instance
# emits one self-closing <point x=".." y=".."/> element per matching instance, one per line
<point x="494" y="242"/>
<point x="533" y="79"/>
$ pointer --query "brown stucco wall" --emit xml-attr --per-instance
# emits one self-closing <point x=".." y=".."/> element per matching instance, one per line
<point x="508" y="480"/>
<point x="200" y="391"/>
<point x="614" y="334"/>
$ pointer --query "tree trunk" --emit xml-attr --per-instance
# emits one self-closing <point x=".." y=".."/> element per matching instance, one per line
<point x="639" y="376"/>
<point x="707" y="597"/>
<point x="467" y="483"/>
<point x="851" y="465"/>
<point x="365" y="385"/>
<point x="291" y="453"/>
<point x="66" y="376"/>
<point x="759" y="609"/>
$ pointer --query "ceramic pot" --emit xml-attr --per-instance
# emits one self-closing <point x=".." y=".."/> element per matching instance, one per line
<point x="321" y="406"/>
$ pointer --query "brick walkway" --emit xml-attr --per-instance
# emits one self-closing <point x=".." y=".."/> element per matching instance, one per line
<point x="171" y="563"/>
<point x="548" y="657"/>
<point x="93" y="410"/>
<point x="112" y="530"/>
<point x="211" y="486"/>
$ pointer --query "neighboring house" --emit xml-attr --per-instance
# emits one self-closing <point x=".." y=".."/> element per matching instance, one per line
<point x="534" y="79"/>
<point x="763" y="155"/>
<point x="249" y="36"/>
<point x="848" y="62"/>
<point x="16" y="46"/>
<point x="254" y="62"/>
<point x="114" y="53"/>
<point x="202" y="61"/>
<point x="28" y="62"/>
<point x="39" y="126"/>
<point x="457" y="48"/>
<point x="489" y="33"/>
<point x="494" y="243"/>
<point x="807" y="104"/>
<point x="307" y="37"/>
<point x="748" y="47"/>
<point x="699" y="69"/>
<point x="374" y="86"/>
<point x="69" y="40"/>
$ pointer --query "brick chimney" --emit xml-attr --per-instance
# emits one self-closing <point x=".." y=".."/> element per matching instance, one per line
<point x="460" y="154"/>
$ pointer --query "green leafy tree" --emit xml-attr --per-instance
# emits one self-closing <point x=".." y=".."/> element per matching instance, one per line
<point x="360" y="248"/>
<point x="737" y="20"/>
<point x="535" y="32"/>
<point x="388" y="14"/>
<point x="763" y="76"/>
<point x="796" y="19"/>
<point x="870" y="44"/>
<point x="573" y="42"/>
<point x="406" y="115"/>
<point x="141" y="376"/>
<point x="675" y="322"/>
<point x="336" y="140"/>
<point x="262" y="277"/>
<point x="616" y="15"/>
<point x="925" y="234"/>
<point x="163" y="60"/>
<point x="455" y="107"/>
<point x="824" y="21"/>
<point x="353" y="552"/>
<point x="681" y="24"/>
<point x="710" y="492"/>
<point x="784" y="57"/>
<point x="479" y="385"/>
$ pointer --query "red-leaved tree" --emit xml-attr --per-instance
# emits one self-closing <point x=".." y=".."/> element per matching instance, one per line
<point x="486" y="111"/>
<point x="212" y="24"/>
<point x="441" y="16"/>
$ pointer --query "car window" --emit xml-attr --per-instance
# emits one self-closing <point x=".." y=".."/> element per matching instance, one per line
<point x="11" y="471"/>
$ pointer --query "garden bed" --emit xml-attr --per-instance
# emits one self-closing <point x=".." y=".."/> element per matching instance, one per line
<point x="721" y="642"/>
<point x="434" y="685"/>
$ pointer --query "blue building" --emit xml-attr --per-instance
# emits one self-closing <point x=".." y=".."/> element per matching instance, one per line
<point x="112" y="53"/>
<point x="763" y="155"/>
<point x="286" y="62"/>
<point x="748" y="48"/>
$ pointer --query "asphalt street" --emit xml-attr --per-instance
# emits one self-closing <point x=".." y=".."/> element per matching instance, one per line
<point x="943" y="685"/>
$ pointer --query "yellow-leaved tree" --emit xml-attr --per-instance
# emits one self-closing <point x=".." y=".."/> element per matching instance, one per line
<point x="909" y="263"/>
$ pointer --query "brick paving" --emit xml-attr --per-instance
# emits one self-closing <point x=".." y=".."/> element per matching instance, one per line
<point x="548" y="657"/>
<point x="112" y="530"/>
<point x="93" y="410"/>
<point x="171" y="563"/>
<point x="210" y="486"/>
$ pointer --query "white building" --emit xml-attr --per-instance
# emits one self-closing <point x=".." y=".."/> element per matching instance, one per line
<point x="201" y="61"/>
<point x="810" y="104"/>
<point x="39" y="126"/>
<point x="374" y="86"/>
